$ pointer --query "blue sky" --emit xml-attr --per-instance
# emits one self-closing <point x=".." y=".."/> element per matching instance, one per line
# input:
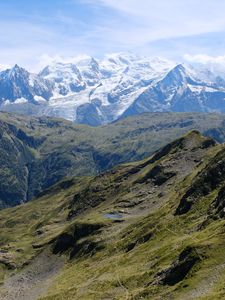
<point x="34" y="32"/>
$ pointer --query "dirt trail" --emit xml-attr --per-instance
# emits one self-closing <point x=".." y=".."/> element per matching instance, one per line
<point x="33" y="281"/>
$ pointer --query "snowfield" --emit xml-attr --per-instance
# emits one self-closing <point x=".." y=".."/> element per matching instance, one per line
<point x="97" y="92"/>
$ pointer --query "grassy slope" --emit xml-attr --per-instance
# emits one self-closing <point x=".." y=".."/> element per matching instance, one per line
<point x="44" y="150"/>
<point x="111" y="272"/>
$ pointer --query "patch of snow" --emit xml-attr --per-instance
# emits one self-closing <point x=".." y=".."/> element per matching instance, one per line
<point x="39" y="99"/>
<point x="20" y="101"/>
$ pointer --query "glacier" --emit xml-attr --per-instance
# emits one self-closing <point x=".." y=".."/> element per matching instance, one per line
<point x="98" y="91"/>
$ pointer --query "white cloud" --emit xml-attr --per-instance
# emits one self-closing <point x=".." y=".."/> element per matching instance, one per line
<point x="110" y="26"/>
<point x="46" y="59"/>
<point x="4" y="67"/>
<point x="213" y="63"/>
<point x="205" y="59"/>
<point x="168" y="19"/>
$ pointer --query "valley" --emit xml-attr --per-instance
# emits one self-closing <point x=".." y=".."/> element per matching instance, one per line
<point x="36" y="153"/>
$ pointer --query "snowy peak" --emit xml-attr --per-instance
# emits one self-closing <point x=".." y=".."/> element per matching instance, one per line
<point x="17" y="69"/>
<point x="66" y="78"/>
<point x="90" y="70"/>
<point x="144" y="66"/>
<point x="177" y="76"/>
<point x="176" y="80"/>
<point x="61" y="72"/>
<point x="17" y="84"/>
<point x="71" y="78"/>
<point x="121" y="58"/>
<point x="98" y="91"/>
<point x="13" y="73"/>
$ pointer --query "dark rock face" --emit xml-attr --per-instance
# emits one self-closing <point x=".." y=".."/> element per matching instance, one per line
<point x="63" y="243"/>
<point x="158" y="175"/>
<point x="70" y="241"/>
<point x="85" y="248"/>
<point x="139" y="241"/>
<point x="88" y="114"/>
<point x="179" y="269"/>
<point x="208" y="143"/>
<point x="14" y="160"/>
<point x="209" y="179"/>
<point x="131" y="246"/>
<point x="218" y="205"/>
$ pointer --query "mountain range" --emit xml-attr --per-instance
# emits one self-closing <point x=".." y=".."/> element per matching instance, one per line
<point x="98" y="91"/>
<point x="129" y="203"/>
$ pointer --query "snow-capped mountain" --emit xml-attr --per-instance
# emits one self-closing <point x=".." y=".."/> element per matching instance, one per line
<point x="180" y="91"/>
<point x="18" y="85"/>
<point x="66" y="78"/>
<point x="96" y="92"/>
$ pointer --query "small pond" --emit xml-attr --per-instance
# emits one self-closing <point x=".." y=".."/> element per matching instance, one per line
<point x="113" y="216"/>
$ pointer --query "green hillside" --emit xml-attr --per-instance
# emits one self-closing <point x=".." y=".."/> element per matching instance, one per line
<point x="152" y="229"/>
<point x="36" y="153"/>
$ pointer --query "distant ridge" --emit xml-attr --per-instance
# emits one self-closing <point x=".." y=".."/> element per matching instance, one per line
<point x="45" y="150"/>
